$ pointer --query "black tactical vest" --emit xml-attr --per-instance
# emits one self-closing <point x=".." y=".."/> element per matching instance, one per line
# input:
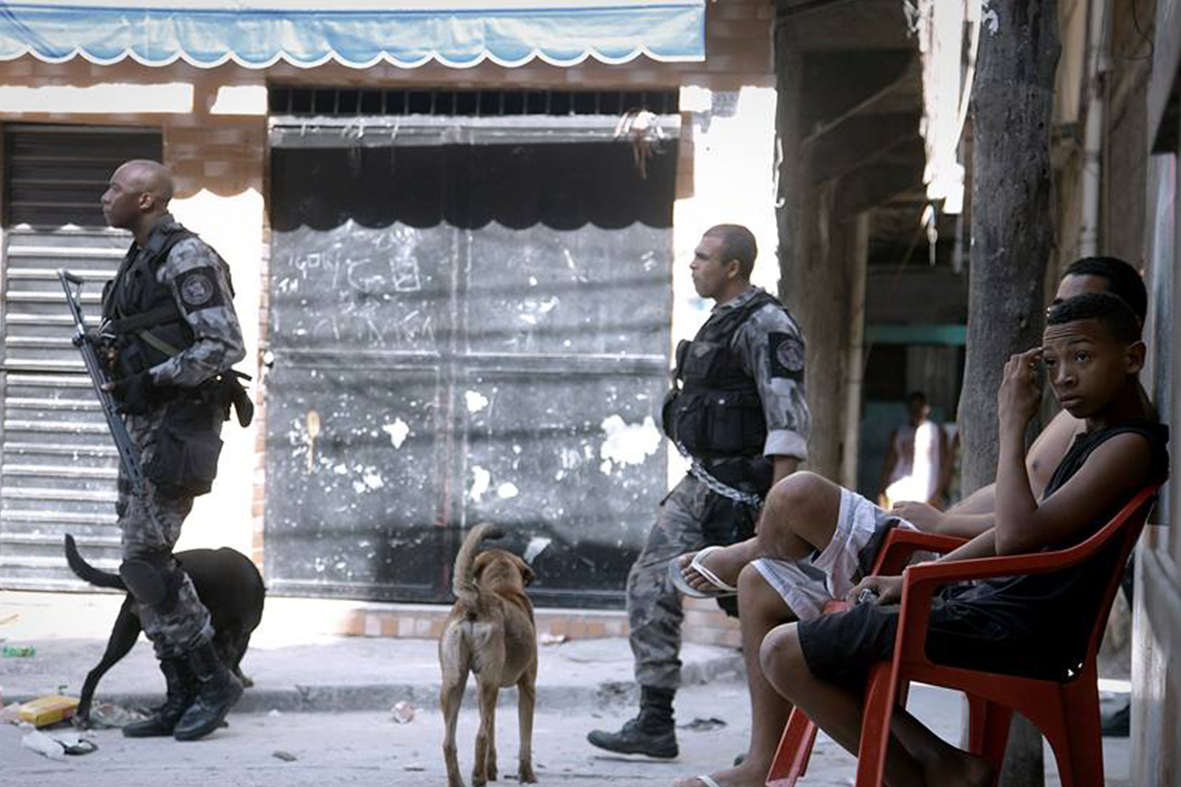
<point x="713" y="410"/>
<point x="142" y="313"/>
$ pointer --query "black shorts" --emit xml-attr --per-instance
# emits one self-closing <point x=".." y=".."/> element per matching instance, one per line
<point x="842" y="647"/>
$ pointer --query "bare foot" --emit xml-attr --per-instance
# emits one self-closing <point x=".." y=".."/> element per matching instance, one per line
<point x="726" y="563"/>
<point x="958" y="768"/>
<point x="741" y="776"/>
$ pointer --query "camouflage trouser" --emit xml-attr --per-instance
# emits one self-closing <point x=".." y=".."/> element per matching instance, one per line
<point x="187" y="625"/>
<point x="653" y="605"/>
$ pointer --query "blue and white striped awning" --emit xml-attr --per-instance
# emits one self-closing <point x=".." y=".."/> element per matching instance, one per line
<point x="357" y="33"/>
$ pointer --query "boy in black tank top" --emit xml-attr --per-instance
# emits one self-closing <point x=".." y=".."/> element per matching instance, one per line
<point x="1027" y="625"/>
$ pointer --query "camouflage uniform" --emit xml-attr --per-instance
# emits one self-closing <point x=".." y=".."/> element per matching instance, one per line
<point x="199" y="282"/>
<point x="771" y="348"/>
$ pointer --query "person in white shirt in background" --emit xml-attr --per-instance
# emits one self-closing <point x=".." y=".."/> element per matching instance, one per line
<point x="916" y="466"/>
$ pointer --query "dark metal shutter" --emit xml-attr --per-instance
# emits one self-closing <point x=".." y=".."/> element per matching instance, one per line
<point x="458" y="310"/>
<point x="58" y="462"/>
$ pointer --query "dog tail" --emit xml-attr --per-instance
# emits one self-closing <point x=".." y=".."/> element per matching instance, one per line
<point x="89" y="573"/>
<point x="463" y="581"/>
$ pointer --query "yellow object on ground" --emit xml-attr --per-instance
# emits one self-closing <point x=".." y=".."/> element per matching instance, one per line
<point x="47" y="710"/>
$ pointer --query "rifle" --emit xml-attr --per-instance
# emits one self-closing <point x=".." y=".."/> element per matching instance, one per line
<point x="128" y="455"/>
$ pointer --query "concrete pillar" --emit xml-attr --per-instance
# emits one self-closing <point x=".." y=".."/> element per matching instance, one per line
<point x="858" y="261"/>
<point x="803" y="247"/>
<point x="823" y="283"/>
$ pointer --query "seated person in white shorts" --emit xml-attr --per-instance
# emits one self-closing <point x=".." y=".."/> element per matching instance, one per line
<point x="794" y="585"/>
<point x="807" y="585"/>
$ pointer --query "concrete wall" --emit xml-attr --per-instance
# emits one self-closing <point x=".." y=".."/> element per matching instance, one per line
<point x="1156" y="618"/>
<point x="1154" y="36"/>
<point x="1123" y="155"/>
<point x="1137" y="221"/>
<point x="1072" y="24"/>
<point x="1122" y="179"/>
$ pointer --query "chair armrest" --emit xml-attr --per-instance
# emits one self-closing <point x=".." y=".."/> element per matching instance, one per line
<point x="897" y="548"/>
<point x="920" y="582"/>
<point x="901" y="544"/>
<point x="942" y="573"/>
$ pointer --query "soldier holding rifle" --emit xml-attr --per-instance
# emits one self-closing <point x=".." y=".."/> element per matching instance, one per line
<point x="168" y="338"/>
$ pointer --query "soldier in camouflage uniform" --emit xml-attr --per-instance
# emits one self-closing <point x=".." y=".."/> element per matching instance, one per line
<point x="171" y="336"/>
<point x="738" y="413"/>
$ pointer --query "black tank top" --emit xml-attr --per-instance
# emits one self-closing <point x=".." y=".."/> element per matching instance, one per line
<point x="1057" y="610"/>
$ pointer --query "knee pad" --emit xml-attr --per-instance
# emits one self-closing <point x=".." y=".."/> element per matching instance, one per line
<point x="154" y="580"/>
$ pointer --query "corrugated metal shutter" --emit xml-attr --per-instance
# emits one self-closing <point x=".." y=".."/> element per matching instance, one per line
<point x="58" y="462"/>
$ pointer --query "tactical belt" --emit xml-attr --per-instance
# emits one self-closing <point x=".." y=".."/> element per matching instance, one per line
<point x="697" y="469"/>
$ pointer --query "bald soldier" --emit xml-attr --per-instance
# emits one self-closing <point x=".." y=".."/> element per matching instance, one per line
<point x="171" y="336"/>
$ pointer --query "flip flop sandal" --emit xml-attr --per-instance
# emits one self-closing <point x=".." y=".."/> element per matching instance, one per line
<point x="719" y="590"/>
<point x="82" y="746"/>
<point x="706" y="779"/>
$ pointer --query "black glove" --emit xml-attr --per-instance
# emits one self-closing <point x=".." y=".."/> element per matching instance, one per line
<point x="243" y="406"/>
<point x="134" y="393"/>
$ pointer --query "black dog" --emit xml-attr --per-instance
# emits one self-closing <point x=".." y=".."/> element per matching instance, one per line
<point x="227" y="583"/>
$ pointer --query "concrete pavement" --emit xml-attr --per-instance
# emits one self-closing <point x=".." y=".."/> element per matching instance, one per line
<point x="296" y="668"/>
<point x="300" y="675"/>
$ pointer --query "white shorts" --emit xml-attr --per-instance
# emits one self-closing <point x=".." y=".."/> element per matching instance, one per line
<point x="807" y="585"/>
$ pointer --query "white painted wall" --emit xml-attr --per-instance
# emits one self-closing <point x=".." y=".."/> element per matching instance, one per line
<point x="232" y="225"/>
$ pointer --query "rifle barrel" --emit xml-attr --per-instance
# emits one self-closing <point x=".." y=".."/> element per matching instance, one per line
<point x="128" y="455"/>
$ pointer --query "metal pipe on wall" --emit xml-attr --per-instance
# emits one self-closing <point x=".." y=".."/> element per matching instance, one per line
<point x="1092" y="174"/>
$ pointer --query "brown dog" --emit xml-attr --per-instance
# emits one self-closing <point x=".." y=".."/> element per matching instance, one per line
<point x="490" y="632"/>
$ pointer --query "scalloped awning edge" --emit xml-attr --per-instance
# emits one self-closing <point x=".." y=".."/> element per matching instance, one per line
<point x="258" y="37"/>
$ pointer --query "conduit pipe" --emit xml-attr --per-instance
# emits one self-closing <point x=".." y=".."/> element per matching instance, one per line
<point x="1092" y="175"/>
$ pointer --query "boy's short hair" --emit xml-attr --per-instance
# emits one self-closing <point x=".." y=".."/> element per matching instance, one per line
<point x="1123" y="280"/>
<point x="738" y="243"/>
<point x="1104" y="307"/>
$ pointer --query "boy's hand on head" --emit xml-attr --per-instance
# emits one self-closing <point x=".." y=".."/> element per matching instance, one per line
<point x="888" y="590"/>
<point x="1020" y="393"/>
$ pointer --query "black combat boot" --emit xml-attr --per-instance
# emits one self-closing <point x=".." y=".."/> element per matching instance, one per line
<point x="651" y="732"/>
<point x="181" y="690"/>
<point x="217" y="691"/>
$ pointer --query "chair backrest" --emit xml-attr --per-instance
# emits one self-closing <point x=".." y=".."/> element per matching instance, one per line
<point x="1123" y="529"/>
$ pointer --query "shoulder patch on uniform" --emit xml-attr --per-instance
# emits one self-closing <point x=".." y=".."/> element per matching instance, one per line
<point x="787" y="355"/>
<point x="198" y="289"/>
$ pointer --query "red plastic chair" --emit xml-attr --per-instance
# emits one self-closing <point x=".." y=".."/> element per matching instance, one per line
<point x="1067" y="712"/>
<point x="799" y="734"/>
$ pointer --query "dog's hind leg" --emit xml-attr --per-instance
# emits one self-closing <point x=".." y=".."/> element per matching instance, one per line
<point x="123" y="636"/>
<point x="485" y="767"/>
<point x="247" y="682"/>
<point x="450" y="698"/>
<point x="526" y="702"/>
<point x="231" y="646"/>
